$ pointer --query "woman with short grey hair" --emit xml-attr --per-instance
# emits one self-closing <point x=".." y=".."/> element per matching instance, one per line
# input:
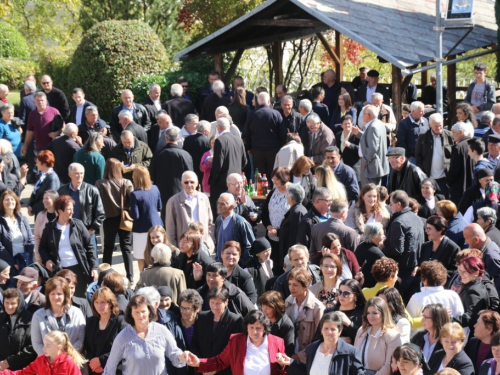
<point x="487" y="219"/>
<point x="90" y="157"/>
<point x="368" y="252"/>
<point x="8" y="129"/>
<point x="289" y="228"/>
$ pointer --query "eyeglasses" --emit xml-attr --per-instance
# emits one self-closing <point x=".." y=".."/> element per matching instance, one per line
<point x="426" y="317"/>
<point x="345" y="293"/>
<point x="187" y="309"/>
<point x="326" y="200"/>
<point x="428" y="229"/>
<point x="188" y="182"/>
<point x="236" y="184"/>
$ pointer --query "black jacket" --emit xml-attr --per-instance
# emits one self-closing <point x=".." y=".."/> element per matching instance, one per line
<point x="210" y="104"/>
<point x="350" y="154"/>
<point x="140" y="156"/>
<point x="471" y="350"/>
<point x="72" y="116"/>
<point x="475" y="298"/>
<point x="229" y="157"/>
<point x="239" y="303"/>
<point x="138" y="131"/>
<point x="51" y="182"/>
<point x="196" y="145"/>
<point x="494" y="234"/>
<point x="57" y="99"/>
<point x="80" y="243"/>
<point x="424" y="211"/>
<point x="461" y="170"/>
<point x="405" y="236"/>
<point x="285" y="329"/>
<point x="265" y="130"/>
<point x="169" y="180"/>
<point x="281" y="284"/>
<point x="256" y="271"/>
<point x="469" y="197"/>
<point x="64" y="148"/>
<point x="90" y="349"/>
<point x="152" y="112"/>
<point x="425" y="147"/>
<point x="445" y="253"/>
<point x="419" y="340"/>
<point x="140" y="115"/>
<point x="243" y="280"/>
<point x="367" y="253"/>
<point x="289" y="229"/>
<point x="6" y="250"/>
<point x="305" y="229"/>
<point x="178" y="108"/>
<point x="185" y="264"/>
<point x="210" y="339"/>
<point x="361" y="94"/>
<point x="83" y="305"/>
<point x="16" y="340"/>
<point x="408" y="179"/>
<point x="90" y="205"/>
<point x="460" y="362"/>
<point x="346" y="361"/>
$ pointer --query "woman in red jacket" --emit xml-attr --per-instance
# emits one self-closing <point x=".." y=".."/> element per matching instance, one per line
<point x="252" y="352"/>
<point x="58" y="358"/>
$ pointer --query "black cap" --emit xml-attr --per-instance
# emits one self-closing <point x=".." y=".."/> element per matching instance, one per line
<point x="164" y="291"/>
<point x="396" y="151"/>
<point x="430" y="181"/>
<point x="485" y="172"/>
<point x="493" y="138"/>
<point x="373" y="73"/>
<point x="3" y="265"/>
<point x="101" y="125"/>
<point x="259" y="245"/>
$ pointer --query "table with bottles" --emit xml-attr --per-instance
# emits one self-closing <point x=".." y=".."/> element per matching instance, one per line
<point x="257" y="191"/>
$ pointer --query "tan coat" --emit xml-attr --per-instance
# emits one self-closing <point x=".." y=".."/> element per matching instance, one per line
<point x="380" y="349"/>
<point x="308" y="319"/>
<point x="178" y="216"/>
<point x="355" y="219"/>
<point x="164" y="276"/>
<point x="288" y="154"/>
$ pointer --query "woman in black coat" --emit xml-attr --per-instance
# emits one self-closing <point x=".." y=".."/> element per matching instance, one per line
<point x="289" y="228"/>
<point x="259" y="266"/>
<point x="347" y="142"/>
<point x="16" y="351"/>
<point x="101" y="329"/>
<point x="368" y="252"/>
<point x="429" y="198"/>
<point x="66" y="234"/>
<point x="190" y="247"/>
<point x="231" y="254"/>
<point x="439" y="247"/>
<point x="49" y="180"/>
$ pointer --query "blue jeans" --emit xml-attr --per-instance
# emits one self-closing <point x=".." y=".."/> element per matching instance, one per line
<point x="94" y="242"/>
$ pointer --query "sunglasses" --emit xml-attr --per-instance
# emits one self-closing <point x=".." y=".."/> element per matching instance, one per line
<point x="188" y="182"/>
<point x="345" y="293"/>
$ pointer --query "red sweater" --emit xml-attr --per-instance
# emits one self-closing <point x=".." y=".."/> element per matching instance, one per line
<point x="234" y="355"/>
<point x="63" y="365"/>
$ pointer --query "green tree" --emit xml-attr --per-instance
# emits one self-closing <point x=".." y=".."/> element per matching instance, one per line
<point x="110" y="56"/>
<point x="12" y="43"/>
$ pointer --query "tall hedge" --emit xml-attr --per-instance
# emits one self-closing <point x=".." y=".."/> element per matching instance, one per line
<point x="12" y="43"/>
<point x="110" y="56"/>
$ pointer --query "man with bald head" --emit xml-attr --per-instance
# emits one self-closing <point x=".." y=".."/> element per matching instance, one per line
<point x="178" y="107"/>
<point x="55" y="97"/>
<point x="244" y="204"/>
<point x="266" y="134"/>
<point x="139" y="114"/>
<point x="63" y="148"/>
<point x="215" y="100"/>
<point x="476" y="239"/>
<point x="187" y="206"/>
<point x="4" y="93"/>
<point x="132" y="153"/>
<point x="332" y="90"/>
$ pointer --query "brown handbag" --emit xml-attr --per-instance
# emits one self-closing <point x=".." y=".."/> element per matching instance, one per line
<point x="126" y="222"/>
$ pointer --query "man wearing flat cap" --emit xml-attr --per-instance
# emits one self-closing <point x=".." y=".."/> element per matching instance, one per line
<point x="27" y="283"/>
<point x="367" y="89"/>
<point x="404" y="175"/>
<point x="493" y="147"/>
<point x="476" y="192"/>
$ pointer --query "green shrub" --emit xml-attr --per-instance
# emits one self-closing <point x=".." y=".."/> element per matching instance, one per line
<point x="110" y="56"/>
<point x="12" y="43"/>
<point x="13" y="71"/>
<point x="56" y="62"/>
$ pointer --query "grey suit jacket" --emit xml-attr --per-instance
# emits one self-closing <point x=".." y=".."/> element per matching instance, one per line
<point x="373" y="146"/>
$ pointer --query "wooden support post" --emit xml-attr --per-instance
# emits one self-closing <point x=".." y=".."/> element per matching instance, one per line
<point x="397" y="93"/>
<point x="452" y="92"/>
<point x="339" y="50"/>
<point x="425" y="76"/>
<point x="218" y="66"/>
<point x="277" y="53"/>
<point x="404" y="86"/>
<point x="232" y="67"/>
<point x="328" y="48"/>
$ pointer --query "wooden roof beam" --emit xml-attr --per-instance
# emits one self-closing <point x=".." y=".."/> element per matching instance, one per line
<point x="329" y="49"/>
<point x="285" y="22"/>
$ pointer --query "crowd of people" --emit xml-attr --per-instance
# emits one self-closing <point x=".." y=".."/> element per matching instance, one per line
<point x="376" y="249"/>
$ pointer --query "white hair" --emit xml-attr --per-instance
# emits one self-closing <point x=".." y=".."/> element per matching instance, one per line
<point x="436" y="117"/>
<point x="30" y="86"/>
<point x="70" y="128"/>
<point x="465" y="127"/>
<point x="150" y="293"/>
<point x="371" y="110"/>
<point x="73" y="165"/>
<point x="224" y="123"/>
<point x="416" y="105"/>
<point x="190" y="173"/>
<point x="218" y="86"/>
<point x="313" y="117"/>
<point x="263" y="98"/>
<point x="3" y="87"/>
<point x="176" y="89"/>
<point x="378" y="96"/>
<point x="125" y="114"/>
<point x="162" y="254"/>
<point x="230" y="198"/>
<point x="222" y="109"/>
<point x="306" y="104"/>
<point x="154" y="86"/>
<point x="203" y="125"/>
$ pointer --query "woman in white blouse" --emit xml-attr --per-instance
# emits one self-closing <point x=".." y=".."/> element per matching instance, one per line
<point x="395" y="303"/>
<point x="253" y="352"/>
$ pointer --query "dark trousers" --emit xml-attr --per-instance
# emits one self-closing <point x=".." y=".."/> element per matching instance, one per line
<point x="264" y="162"/>
<point x="443" y="186"/>
<point x="215" y="192"/>
<point x="275" y="256"/>
<point x="111" y="227"/>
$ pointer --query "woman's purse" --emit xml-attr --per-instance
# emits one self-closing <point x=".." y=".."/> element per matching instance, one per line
<point x="126" y="222"/>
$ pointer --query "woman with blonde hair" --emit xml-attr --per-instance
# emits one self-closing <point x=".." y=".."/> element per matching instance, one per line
<point x="157" y="234"/>
<point x="145" y="203"/>
<point x="377" y="338"/>
<point x="326" y="178"/>
<point x="301" y="174"/>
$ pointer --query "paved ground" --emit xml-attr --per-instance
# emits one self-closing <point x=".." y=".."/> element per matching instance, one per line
<point x="117" y="256"/>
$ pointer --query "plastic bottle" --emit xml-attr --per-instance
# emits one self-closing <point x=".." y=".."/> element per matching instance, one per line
<point x="259" y="185"/>
<point x="244" y="178"/>
<point x="265" y="185"/>
<point x="250" y="189"/>
<point x="314" y="179"/>
<point x="255" y="176"/>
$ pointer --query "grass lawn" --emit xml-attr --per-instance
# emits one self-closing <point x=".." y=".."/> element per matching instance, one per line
<point x="14" y="98"/>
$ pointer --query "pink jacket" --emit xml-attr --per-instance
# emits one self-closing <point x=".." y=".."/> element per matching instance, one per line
<point x="206" y="168"/>
<point x="40" y="222"/>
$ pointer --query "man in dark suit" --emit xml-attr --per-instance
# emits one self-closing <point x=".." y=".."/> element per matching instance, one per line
<point x="55" y="97"/>
<point x="139" y="114"/>
<point x="127" y="123"/>
<point x="28" y="101"/>
<point x="177" y="107"/>
<point x="153" y="104"/>
<point x="366" y="90"/>
<point x="168" y="165"/>
<point x="214" y="101"/>
<point x="28" y="78"/>
<point x="63" y="148"/>
<point x="266" y="134"/>
<point x="494" y="130"/>
<point x="77" y="115"/>
<point x="238" y="82"/>
<point x="461" y="165"/>
<point x="229" y="157"/>
<point x="87" y="127"/>
<point x="197" y="144"/>
<point x="317" y="96"/>
<point x="157" y="140"/>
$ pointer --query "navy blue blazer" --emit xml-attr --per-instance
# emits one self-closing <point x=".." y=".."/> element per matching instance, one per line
<point x="51" y="182"/>
<point x="144" y="207"/>
<point x="6" y="251"/>
<point x="336" y="117"/>
<point x="72" y="117"/>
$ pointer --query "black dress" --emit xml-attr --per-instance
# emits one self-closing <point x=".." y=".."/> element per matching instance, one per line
<point x="445" y="253"/>
<point x="355" y="316"/>
<point x="367" y="253"/>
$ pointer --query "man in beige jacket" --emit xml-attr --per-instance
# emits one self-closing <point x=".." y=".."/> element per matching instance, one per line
<point x="187" y="206"/>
